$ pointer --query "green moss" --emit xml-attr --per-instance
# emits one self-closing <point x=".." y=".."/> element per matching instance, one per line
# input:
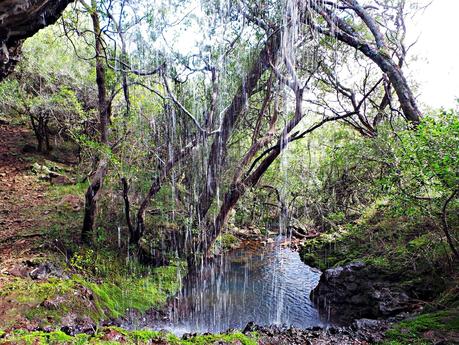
<point x="228" y="241"/>
<point x="31" y="292"/>
<point x="46" y="302"/>
<point x="232" y="338"/>
<point x="58" y="191"/>
<point x="119" y="293"/>
<point x="39" y="337"/>
<point x="143" y="336"/>
<point x="128" y="337"/>
<point x="412" y="331"/>
<point x="40" y="291"/>
<point x="379" y="261"/>
<point x="127" y="287"/>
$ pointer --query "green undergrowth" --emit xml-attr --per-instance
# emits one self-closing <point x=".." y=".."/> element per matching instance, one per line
<point x="430" y="328"/>
<point x="409" y="252"/>
<point x="115" y="335"/>
<point x="138" y="291"/>
<point x="96" y="286"/>
<point x="93" y="284"/>
<point x="225" y="242"/>
<point x="393" y="244"/>
<point x="64" y="221"/>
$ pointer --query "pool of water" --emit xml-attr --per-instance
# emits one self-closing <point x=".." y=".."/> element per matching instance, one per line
<point x="265" y="284"/>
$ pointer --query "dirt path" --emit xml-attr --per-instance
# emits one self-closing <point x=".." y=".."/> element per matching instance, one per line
<point x="21" y="197"/>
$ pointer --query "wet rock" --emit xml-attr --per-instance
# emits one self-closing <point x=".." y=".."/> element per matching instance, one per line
<point x="188" y="336"/>
<point x="370" y="330"/>
<point x="356" y="291"/>
<point x="250" y="327"/>
<point x="317" y="335"/>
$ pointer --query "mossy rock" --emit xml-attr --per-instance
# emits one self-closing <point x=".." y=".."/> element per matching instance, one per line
<point x="426" y="329"/>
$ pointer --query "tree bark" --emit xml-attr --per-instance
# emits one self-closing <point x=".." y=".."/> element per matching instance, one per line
<point x="240" y="185"/>
<point x="218" y="149"/>
<point x="127" y="206"/>
<point x="93" y="191"/>
<point x="90" y="206"/>
<point x="445" y="225"/>
<point x="21" y="19"/>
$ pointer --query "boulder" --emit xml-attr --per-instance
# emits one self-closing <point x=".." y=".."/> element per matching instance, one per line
<point x="357" y="291"/>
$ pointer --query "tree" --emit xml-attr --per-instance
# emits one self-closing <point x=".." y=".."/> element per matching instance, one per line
<point x="48" y="89"/>
<point x="377" y="49"/>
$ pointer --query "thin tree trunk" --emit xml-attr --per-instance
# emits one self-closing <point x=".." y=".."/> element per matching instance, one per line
<point x="97" y="179"/>
<point x="137" y="232"/>
<point x="445" y="225"/>
<point x="90" y="206"/>
<point x="127" y="206"/>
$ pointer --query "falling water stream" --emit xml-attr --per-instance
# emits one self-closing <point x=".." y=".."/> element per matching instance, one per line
<point x="264" y="284"/>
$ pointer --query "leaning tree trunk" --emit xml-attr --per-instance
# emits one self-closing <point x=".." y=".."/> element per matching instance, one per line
<point x="378" y="52"/>
<point x="238" y="105"/>
<point x="97" y="179"/>
<point x="136" y="232"/>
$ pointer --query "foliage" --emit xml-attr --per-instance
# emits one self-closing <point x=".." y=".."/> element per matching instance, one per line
<point x="425" y="161"/>
<point x="50" y="89"/>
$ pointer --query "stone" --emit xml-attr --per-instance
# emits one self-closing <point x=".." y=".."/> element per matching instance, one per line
<point x="19" y="271"/>
<point x="73" y="324"/>
<point x="53" y="303"/>
<point x="113" y="335"/>
<point x="46" y="270"/>
<point x="250" y="327"/>
<point x="357" y="291"/>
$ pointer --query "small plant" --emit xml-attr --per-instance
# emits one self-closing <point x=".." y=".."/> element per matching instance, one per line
<point x="83" y="260"/>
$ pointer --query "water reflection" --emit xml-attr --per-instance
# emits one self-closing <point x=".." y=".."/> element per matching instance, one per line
<point x="267" y="285"/>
